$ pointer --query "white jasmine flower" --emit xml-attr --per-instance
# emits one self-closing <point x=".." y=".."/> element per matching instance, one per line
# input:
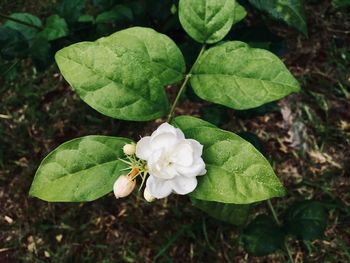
<point x="123" y="186"/>
<point x="173" y="161"/>
<point x="129" y="149"/>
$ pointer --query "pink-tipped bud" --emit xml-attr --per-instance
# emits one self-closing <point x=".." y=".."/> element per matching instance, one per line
<point x="147" y="195"/>
<point x="123" y="186"/>
<point x="129" y="149"/>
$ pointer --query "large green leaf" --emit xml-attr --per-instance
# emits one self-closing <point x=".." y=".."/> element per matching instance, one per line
<point x="56" y="27"/>
<point x="240" y="77"/>
<point x="307" y="220"/>
<point x="236" y="172"/>
<point x="208" y="21"/>
<point x="262" y="236"/>
<point x="123" y="75"/>
<point x="290" y="11"/>
<point x="230" y="213"/>
<point x="79" y="170"/>
<point x="28" y="31"/>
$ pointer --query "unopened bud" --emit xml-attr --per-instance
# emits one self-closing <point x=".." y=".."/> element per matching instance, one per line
<point x="123" y="186"/>
<point x="129" y="149"/>
<point x="147" y="195"/>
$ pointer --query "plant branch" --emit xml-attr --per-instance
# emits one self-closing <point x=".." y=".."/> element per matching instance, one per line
<point x="183" y="86"/>
<point x="279" y="224"/>
<point x="273" y="213"/>
<point x="20" y="21"/>
<point x="288" y="251"/>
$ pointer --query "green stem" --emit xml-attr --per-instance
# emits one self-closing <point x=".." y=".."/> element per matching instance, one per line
<point x="183" y="86"/>
<point x="288" y="251"/>
<point x="279" y="224"/>
<point x="20" y="21"/>
<point x="273" y="212"/>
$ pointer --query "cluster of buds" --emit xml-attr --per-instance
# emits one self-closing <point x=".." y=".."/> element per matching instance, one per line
<point x="125" y="184"/>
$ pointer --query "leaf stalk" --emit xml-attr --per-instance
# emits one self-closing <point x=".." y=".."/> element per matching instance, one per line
<point x="183" y="86"/>
<point x="280" y="224"/>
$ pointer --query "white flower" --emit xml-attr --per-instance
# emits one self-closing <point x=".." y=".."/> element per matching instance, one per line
<point x="123" y="186"/>
<point x="173" y="161"/>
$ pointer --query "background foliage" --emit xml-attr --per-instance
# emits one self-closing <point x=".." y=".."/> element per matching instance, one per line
<point x="305" y="137"/>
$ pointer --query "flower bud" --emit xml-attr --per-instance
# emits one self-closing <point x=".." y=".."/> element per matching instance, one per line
<point x="129" y="149"/>
<point x="147" y="195"/>
<point x="123" y="186"/>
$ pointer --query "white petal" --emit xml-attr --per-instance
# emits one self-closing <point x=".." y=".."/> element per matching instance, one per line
<point x="167" y="128"/>
<point x="183" y="185"/>
<point x="179" y="134"/>
<point x="197" y="147"/>
<point x="198" y="168"/>
<point x="143" y="148"/>
<point x="182" y="154"/>
<point x="154" y="158"/>
<point x="164" y="140"/>
<point x="169" y="172"/>
<point x="157" y="187"/>
<point x="159" y="166"/>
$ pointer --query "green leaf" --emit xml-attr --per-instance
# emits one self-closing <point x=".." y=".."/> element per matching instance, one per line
<point x="230" y="213"/>
<point x="12" y="43"/>
<point x="119" y="12"/>
<point x="123" y="75"/>
<point x="236" y="172"/>
<point x="209" y="21"/>
<point x="41" y="53"/>
<point x="239" y="14"/>
<point x="105" y="4"/>
<point x="262" y="236"/>
<point x="307" y="220"/>
<point x="27" y="31"/>
<point x="79" y="170"/>
<point x="70" y="10"/>
<point x="86" y="19"/>
<point x="290" y="11"/>
<point x="240" y="77"/>
<point x="56" y="27"/>
<point x="340" y="3"/>
<point x="9" y="72"/>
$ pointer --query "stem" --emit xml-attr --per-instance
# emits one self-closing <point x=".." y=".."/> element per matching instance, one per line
<point x="273" y="212"/>
<point x="20" y="21"/>
<point x="288" y="251"/>
<point x="182" y="88"/>
<point x="279" y="224"/>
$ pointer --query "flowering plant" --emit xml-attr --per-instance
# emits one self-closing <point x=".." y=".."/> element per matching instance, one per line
<point x="123" y="76"/>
